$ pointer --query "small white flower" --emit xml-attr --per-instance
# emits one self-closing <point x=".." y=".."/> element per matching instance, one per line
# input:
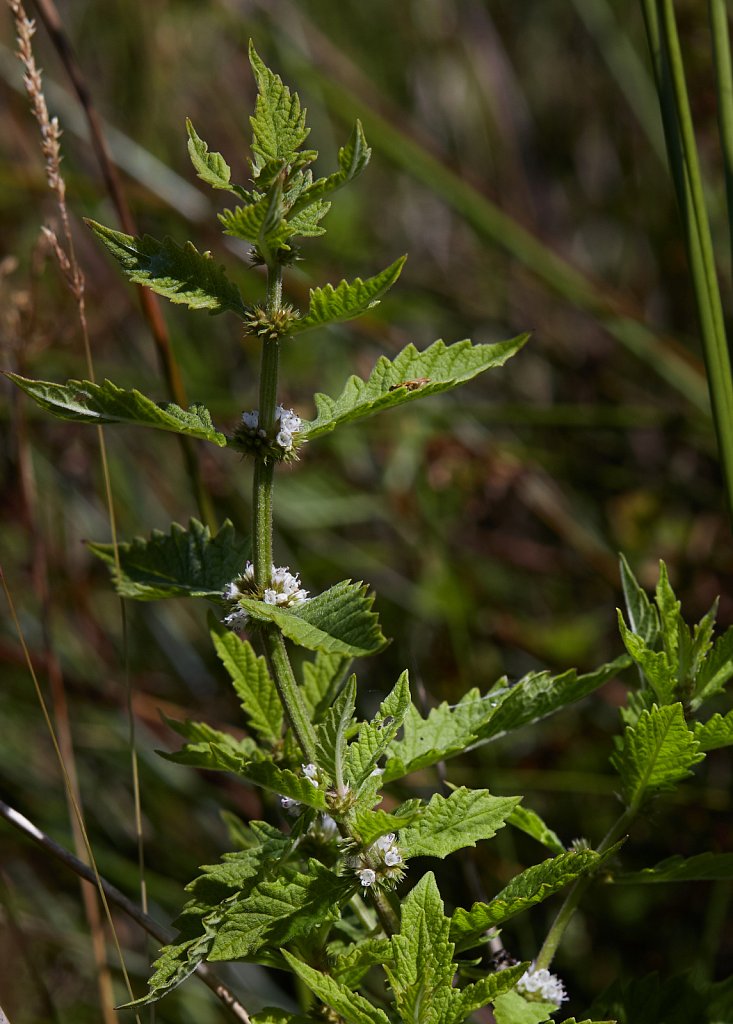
<point x="289" y="420"/>
<point x="377" y="771"/>
<point x="291" y="806"/>
<point x="367" y="877"/>
<point x="385" y="842"/>
<point x="329" y="828"/>
<point x="251" y="420"/>
<point x="392" y="858"/>
<point x="311" y="773"/>
<point x="543" y="985"/>
<point x="284" y="591"/>
<point x="284" y="439"/>
<point x="236" y="620"/>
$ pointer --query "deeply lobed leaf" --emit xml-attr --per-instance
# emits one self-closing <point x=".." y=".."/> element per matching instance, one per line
<point x="339" y="621"/>
<point x="349" y="299"/>
<point x="525" y="890"/>
<point x="411" y="375"/>
<point x="251" y="680"/>
<point x="350" y="1006"/>
<point x="81" y="401"/>
<point x="181" y="274"/>
<point x="278" y="124"/>
<point x="182" y="563"/>
<point x="655" y="754"/>
<point x="460" y="820"/>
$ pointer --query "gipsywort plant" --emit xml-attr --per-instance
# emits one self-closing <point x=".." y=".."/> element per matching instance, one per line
<point x="330" y="895"/>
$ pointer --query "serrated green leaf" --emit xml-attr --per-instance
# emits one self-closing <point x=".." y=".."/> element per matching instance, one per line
<point x="370" y="825"/>
<point x="352" y="1007"/>
<point x="449" y="824"/>
<point x="351" y="966"/>
<point x="513" y="1008"/>
<point x="411" y="375"/>
<point x="349" y="299"/>
<point x="278" y="911"/>
<point x="339" y="621"/>
<point x="525" y="890"/>
<point x="716" y="732"/>
<point x="81" y="401"/>
<point x="210" y="167"/>
<point x="488" y="990"/>
<point x="262" y="223"/>
<point x="716" y="671"/>
<point x="237" y="872"/>
<point x="323" y="678"/>
<point x="182" y="563"/>
<point x="655" y="754"/>
<point x="448" y="730"/>
<point x="307" y="222"/>
<point x="669" y="613"/>
<point x="282" y="781"/>
<point x="530" y="822"/>
<point x="374" y="737"/>
<point x="205" y="746"/>
<point x="421" y="972"/>
<point x="179" y="273"/>
<point x="352" y="159"/>
<point x="278" y="124"/>
<point x="705" y="867"/>
<point x="175" y="963"/>
<point x="643" y="616"/>
<point x="251" y="680"/>
<point x="331" y="734"/>
<point x="539" y="694"/>
<point x="655" y="665"/>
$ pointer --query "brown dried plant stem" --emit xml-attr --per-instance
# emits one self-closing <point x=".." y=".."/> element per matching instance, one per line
<point x="118" y="899"/>
<point x="61" y="708"/>
<point x="49" y="15"/>
<point x="50" y="145"/>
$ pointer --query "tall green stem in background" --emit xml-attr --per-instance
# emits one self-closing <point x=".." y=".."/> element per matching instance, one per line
<point x="265" y="468"/>
<point x="685" y="168"/>
<point x="724" y="87"/>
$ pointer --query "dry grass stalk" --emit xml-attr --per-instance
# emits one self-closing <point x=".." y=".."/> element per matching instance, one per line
<point x="50" y="131"/>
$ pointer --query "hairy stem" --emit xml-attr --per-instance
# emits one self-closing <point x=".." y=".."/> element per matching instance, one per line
<point x="290" y="695"/>
<point x="577" y="891"/>
<point x="265" y="468"/>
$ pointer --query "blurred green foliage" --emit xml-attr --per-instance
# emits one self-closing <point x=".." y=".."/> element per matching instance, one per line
<point x="511" y="142"/>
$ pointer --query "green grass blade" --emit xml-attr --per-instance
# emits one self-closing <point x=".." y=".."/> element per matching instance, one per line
<point x="685" y="168"/>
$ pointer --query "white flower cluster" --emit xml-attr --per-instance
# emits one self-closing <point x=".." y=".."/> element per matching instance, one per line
<point x="542" y="985"/>
<point x="287" y="423"/>
<point x="284" y="591"/>
<point x="388" y="850"/>
<point x="385" y="849"/>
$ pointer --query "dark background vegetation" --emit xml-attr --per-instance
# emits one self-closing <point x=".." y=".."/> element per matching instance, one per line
<point x="488" y="523"/>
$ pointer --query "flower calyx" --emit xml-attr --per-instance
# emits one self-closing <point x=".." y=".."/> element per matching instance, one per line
<point x="270" y="326"/>
<point x="381" y="864"/>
